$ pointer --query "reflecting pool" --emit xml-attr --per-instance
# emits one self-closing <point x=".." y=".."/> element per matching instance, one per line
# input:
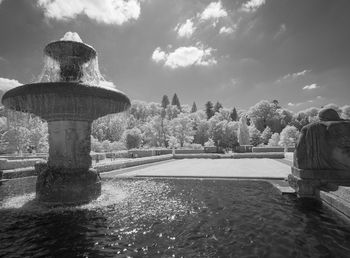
<point x="173" y="218"/>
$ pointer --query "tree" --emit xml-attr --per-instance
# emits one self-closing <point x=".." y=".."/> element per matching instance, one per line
<point x="172" y="112"/>
<point x="176" y="102"/>
<point x="217" y="107"/>
<point x="254" y="135"/>
<point x="173" y="142"/>
<point x="209" y="143"/>
<point x="276" y="103"/>
<point x="243" y="131"/>
<point x="234" y="115"/>
<point x="132" y="138"/>
<point x="263" y="114"/>
<point x="202" y="132"/>
<point x="156" y="132"/>
<point x="165" y="101"/>
<point x="209" y="110"/>
<point x="181" y="128"/>
<point x="289" y="136"/>
<point x="274" y="140"/>
<point x="18" y="138"/>
<point x="266" y="135"/>
<point x="194" y="107"/>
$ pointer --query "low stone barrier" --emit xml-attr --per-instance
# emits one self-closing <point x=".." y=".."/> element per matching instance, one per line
<point x="99" y="156"/>
<point x="130" y="163"/>
<point x="19" y="172"/>
<point x="29" y="156"/>
<point x="188" y="151"/>
<point x="117" y="154"/>
<point x="15" y="164"/>
<point x="243" y="148"/>
<point x="272" y="149"/>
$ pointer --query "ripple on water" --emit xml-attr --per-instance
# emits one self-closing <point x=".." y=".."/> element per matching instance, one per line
<point x="164" y="217"/>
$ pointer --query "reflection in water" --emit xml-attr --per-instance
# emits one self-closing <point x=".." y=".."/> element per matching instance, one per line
<point x="162" y="218"/>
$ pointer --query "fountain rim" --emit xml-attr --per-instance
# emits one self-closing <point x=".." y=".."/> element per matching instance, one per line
<point x="65" y="88"/>
<point x="52" y="51"/>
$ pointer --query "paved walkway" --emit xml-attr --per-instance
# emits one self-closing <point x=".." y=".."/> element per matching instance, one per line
<point x="235" y="168"/>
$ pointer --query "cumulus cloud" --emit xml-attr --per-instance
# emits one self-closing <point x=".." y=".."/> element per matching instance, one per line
<point x="158" y="55"/>
<point x="185" y="56"/>
<point x="252" y="5"/>
<point x="213" y="11"/>
<point x="7" y="84"/>
<point x="186" y="29"/>
<point x="311" y="87"/>
<point x="103" y="11"/>
<point x="226" y="30"/>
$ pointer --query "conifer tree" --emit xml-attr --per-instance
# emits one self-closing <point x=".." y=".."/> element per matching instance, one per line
<point x="165" y="101"/>
<point x="217" y="107"/>
<point x="176" y="102"/>
<point x="234" y="115"/>
<point x="194" y="107"/>
<point x="209" y="110"/>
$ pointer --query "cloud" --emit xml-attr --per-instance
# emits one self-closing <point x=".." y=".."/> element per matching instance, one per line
<point x="311" y="87"/>
<point x="252" y="5"/>
<point x="213" y="11"/>
<point x="290" y="104"/>
<point x="282" y="29"/>
<point x="226" y="30"/>
<point x="103" y="11"/>
<point x="185" y="56"/>
<point x="7" y="84"/>
<point x="186" y="29"/>
<point x="158" y="55"/>
<point x="292" y="76"/>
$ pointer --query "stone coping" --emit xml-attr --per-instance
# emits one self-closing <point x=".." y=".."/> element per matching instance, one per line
<point x="248" y="155"/>
<point x="317" y="174"/>
<point x="338" y="200"/>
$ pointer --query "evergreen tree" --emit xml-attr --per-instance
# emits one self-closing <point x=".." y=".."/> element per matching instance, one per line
<point x="165" y="101"/>
<point x="217" y="107"/>
<point x="194" y="107"/>
<point x="234" y="115"/>
<point x="176" y="102"/>
<point x="209" y="109"/>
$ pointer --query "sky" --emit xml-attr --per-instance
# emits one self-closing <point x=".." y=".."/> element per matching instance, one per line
<point x="235" y="52"/>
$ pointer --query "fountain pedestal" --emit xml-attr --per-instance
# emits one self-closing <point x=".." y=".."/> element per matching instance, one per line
<point x="67" y="178"/>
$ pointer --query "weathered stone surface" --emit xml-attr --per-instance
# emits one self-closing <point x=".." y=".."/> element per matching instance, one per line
<point x="69" y="144"/>
<point x="324" y="145"/>
<point x="64" y="186"/>
<point x="322" y="155"/>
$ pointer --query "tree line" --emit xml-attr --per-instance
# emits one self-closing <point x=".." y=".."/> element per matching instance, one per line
<point x="172" y="124"/>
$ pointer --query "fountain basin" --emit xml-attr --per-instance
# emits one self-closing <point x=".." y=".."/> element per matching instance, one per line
<point x="66" y="100"/>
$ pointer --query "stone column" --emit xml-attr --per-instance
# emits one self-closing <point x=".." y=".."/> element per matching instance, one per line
<point x="70" y="144"/>
<point x="68" y="177"/>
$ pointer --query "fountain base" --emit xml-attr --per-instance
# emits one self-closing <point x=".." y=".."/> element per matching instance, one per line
<point x="67" y="186"/>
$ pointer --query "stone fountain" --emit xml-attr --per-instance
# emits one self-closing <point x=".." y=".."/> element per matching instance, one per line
<point x="69" y="97"/>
